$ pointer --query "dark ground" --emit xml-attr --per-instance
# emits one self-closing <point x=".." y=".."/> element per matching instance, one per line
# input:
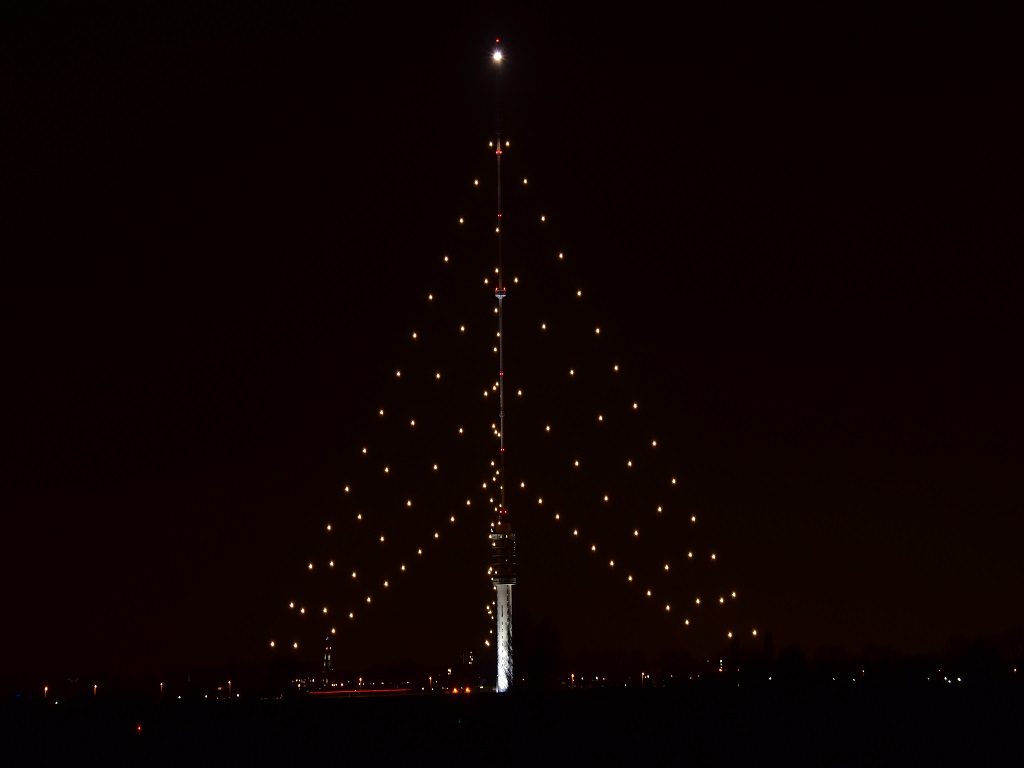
<point x="826" y="726"/>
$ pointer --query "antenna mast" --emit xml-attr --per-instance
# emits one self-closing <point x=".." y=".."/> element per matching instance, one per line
<point x="503" y="540"/>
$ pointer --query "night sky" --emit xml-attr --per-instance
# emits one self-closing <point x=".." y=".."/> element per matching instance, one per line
<point x="795" y="231"/>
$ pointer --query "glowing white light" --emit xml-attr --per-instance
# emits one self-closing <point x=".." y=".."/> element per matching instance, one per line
<point x="636" y="533"/>
<point x="561" y="256"/>
<point x="295" y="645"/>
<point x="271" y="643"/>
<point x="497" y="57"/>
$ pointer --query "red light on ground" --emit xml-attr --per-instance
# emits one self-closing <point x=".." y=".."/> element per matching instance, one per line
<point x="138" y="728"/>
<point x="468" y="689"/>
<point x="455" y="690"/>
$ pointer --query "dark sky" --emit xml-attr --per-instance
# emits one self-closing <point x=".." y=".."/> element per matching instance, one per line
<point x="796" y="230"/>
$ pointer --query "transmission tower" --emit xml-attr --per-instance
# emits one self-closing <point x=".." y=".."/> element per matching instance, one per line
<point x="502" y="537"/>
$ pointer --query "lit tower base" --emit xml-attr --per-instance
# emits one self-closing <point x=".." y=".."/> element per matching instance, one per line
<point x="503" y="547"/>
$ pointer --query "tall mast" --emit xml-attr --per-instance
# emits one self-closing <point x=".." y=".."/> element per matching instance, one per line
<point x="502" y="538"/>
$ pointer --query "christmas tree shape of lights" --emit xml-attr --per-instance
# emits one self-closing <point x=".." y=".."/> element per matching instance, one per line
<point x="578" y="426"/>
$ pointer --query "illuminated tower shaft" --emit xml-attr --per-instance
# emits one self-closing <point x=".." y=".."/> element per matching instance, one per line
<point x="503" y="540"/>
